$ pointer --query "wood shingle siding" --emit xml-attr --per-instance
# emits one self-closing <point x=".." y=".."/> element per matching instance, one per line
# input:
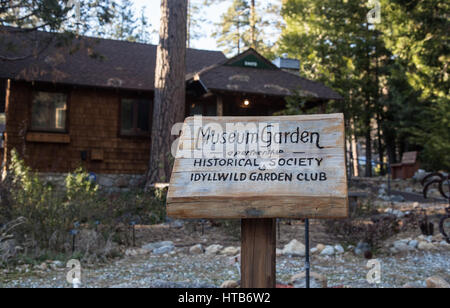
<point x="93" y="125"/>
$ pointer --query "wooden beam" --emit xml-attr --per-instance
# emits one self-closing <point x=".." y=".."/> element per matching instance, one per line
<point x="48" y="138"/>
<point x="258" y="253"/>
<point x="219" y="106"/>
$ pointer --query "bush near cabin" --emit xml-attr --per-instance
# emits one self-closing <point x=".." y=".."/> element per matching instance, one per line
<point x="49" y="219"/>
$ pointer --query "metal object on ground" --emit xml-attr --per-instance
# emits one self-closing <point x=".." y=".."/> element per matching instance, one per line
<point x="307" y="262"/>
<point x="442" y="225"/>
<point x="441" y="180"/>
<point x="426" y="226"/>
<point x="436" y="178"/>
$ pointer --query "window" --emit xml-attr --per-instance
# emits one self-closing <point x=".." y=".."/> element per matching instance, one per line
<point x="2" y="96"/>
<point x="49" y="112"/>
<point x="205" y="109"/>
<point x="135" y="114"/>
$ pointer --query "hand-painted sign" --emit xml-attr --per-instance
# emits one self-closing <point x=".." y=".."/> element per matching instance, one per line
<point x="260" y="167"/>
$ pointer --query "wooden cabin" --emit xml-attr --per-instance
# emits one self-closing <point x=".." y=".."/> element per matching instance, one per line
<point x="88" y="102"/>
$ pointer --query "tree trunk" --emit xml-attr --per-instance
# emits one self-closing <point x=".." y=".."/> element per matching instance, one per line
<point x="368" y="148"/>
<point x="170" y="88"/>
<point x="253" y="23"/>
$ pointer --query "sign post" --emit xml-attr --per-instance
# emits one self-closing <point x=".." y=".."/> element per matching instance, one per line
<point x="258" y="169"/>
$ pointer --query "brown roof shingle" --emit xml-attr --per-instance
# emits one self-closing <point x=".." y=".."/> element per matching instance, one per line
<point x="87" y="61"/>
<point x="90" y="61"/>
<point x="271" y="81"/>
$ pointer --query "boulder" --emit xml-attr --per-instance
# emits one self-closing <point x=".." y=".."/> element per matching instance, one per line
<point x="196" y="249"/>
<point x="437" y="282"/>
<point x="413" y="285"/>
<point x="414" y="244"/>
<point x="396" y="213"/>
<point x="152" y="246"/>
<point x="401" y="246"/>
<point x="231" y="251"/>
<point x="230" y="284"/>
<point x="362" y="248"/>
<point x="294" y="248"/>
<point x="328" y="251"/>
<point x="279" y="252"/>
<point x="213" y="250"/>
<point x="317" y="281"/>
<point x="339" y="249"/>
<point x="420" y="175"/>
<point x="425" y="246"/>
<point x="320" y="247"/>
<point x="163" y="250"/>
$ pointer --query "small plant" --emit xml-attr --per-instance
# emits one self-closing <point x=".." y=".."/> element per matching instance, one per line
<point x="365" y="225"/>
<point x="78" y="219"/>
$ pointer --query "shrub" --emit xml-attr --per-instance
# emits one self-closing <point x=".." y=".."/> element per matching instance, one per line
<point x="53" y="218"/>
<point x="364" y="225"/>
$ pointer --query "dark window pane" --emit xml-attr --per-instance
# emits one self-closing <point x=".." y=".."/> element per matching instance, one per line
<point x="143" y="116"/>
<point x="196" y="109"/>
<point x="211" y="110"/>
<point x="135" y="116"/>
<point x="127" y="116"/>
<point x="2" y="96"/>
<point x="49" y="111"/>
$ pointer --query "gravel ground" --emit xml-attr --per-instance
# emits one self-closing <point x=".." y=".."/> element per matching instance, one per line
<point x="181" y="270"/>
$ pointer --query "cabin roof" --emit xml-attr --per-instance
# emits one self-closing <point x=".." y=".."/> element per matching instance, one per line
<point x="234" y="75"/>
<point x="87" y="61"/>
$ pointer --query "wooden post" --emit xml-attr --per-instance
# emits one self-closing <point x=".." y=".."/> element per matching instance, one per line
<point x="258" y="253"/>
<point x="219" y="106"/>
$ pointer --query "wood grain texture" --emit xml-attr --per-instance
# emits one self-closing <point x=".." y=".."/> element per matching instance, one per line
<point x="48" y="138"/>
<point x="304" y="177"/>
<point x="258" y="253"/>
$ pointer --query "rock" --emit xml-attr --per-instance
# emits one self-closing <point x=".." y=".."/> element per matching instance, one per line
<point x="426" y="246"/>
<point x="320" y="247"/>
<point x="177" y="224"/>
<point x="152" y="246"/>
<point x="58" y="264"/>
<point x="397" y="213"/>
<point x="420" y="175"/>
<point x="413" y="285"/>
<point x="314" y="251"/>
<point x="362" y="249"/>
<point x="279" y="252"/>
<point x="163" y="250"/>
<point x="131" y="253"/>
<point x="409" y="189"/>
<point x="122" y="182"/>
<point x="294" y="248"/>
<point x="397" y="198"/>
<point x="42" y="267"/>
<point x="339" y="249"/>
<point x="328" y="251"/>
<point x="135" y="252"/>
<point x="213" y="250"/>
<point x="434" y="193"/>
<point x="401" y="246"/>
<point x="414" y="244"/>
<point x="230" y="284"/>
<point x="196" y="249"/>
<point x="444" y="243"/>
<point x="437" y="282"/>
<point x="317" y="281"/>
<point x="231" y="251"/>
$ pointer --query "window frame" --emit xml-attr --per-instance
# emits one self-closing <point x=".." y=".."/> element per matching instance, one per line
<point x="56" y="90"/>
<point x="136" y="134"/>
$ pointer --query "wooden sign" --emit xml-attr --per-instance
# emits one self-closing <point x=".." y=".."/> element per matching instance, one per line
<point x="260" y="167"/>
